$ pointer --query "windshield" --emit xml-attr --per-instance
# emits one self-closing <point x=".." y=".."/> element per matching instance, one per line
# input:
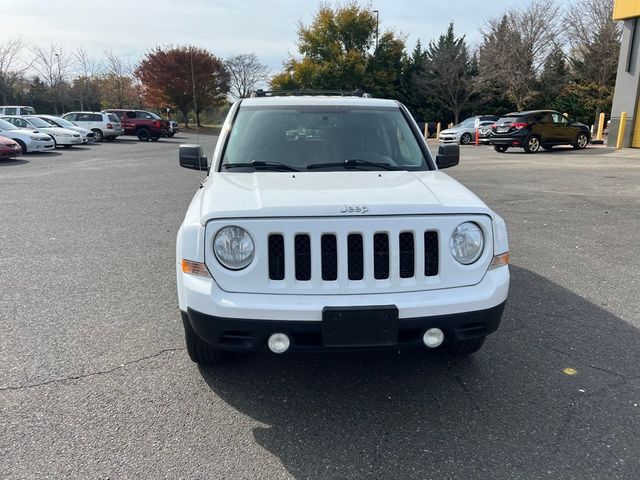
<point x="38" y="122"/>
<point x="4" y="125"/>
<point x="61" y="122"/>
<point x="314" y="137"/>
<point x="154" y="116"/>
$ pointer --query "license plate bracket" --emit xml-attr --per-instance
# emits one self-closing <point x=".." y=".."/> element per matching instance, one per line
<point x="369" y="326"/>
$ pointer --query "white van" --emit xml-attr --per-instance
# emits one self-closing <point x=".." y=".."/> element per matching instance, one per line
<point x="17" y="110"/>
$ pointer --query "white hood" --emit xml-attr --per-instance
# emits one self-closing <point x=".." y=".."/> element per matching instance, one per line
<point x="307" y="194"/>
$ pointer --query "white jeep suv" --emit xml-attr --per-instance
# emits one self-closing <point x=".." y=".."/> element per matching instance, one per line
<point x="325" y="223"/>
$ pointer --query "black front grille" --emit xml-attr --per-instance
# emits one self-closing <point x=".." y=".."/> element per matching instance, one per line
<point x="355" y="256"/>
<point x="407" y="255"/>
<point x="276" y="257"/>
<point x="431" y="254"/>
<point x="380" y="256"/>
<point x="329" y="248"/>
<point x="303" y="257"/>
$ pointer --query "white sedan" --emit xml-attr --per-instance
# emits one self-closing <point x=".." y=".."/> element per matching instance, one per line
<point x="61" y="136"/>
<point x="86" y="134"/>
<point x="28" y="139"/>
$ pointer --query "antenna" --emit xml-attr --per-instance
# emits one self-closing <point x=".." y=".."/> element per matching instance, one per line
<point x="195" y="107"/>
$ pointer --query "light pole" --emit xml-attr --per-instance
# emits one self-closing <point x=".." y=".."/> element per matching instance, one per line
<point x="377" y="23"/>
<point x="60" y="83"/>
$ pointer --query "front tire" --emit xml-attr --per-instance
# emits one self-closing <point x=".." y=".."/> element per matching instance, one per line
<point x="465" y="347"/>
<point x="98" y="135"/>
<point x="582" y="140"/>
<point x="22" y="145"/>
<point x="199" y="351"/>
<point x="465" y="139"/>
<point x="500" y="148"/>
<point x="532" y="145"/>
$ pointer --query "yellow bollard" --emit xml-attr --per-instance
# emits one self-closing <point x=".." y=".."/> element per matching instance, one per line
<point x="438" y="130"/>
<point x="600" y="127"/>
<point x="623" y="126"/>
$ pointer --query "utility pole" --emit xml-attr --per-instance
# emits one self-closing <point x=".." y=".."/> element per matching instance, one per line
<point x="60" y="84"/>
<point x="377" y="23"/>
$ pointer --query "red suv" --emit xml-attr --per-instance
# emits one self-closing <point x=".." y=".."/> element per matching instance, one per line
<point x="145" y="125"/>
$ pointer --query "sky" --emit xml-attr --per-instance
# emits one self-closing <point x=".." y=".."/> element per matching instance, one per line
<point x="224" y="27"/>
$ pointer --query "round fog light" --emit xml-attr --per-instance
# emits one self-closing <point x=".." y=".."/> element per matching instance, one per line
<point x="278" y="343"/>
<point x="433" y="337"/>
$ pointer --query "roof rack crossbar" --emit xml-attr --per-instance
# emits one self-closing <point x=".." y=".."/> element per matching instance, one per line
<point x="285" y="93"/>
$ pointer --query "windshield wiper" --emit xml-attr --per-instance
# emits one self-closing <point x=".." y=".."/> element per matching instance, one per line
<point x="352" y="163"/>
<point x="261" y="165"/>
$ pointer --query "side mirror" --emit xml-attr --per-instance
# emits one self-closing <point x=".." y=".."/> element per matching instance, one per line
<point x="448" y="155"/>
<point x="190" y="156"/>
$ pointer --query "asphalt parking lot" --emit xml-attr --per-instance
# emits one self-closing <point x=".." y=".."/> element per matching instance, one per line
<point x="95" y="381"/>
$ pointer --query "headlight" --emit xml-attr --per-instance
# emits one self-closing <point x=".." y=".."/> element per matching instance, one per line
<point x="42" y="139"/>
<point x="467" y="243"/>
<point x="233" y="247"/>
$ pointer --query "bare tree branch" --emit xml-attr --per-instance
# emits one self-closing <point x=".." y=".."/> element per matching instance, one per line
<point x="12" y="66"/>
<point x="245" y="72"/>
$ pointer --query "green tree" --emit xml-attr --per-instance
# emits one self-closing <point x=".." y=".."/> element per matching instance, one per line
<point x="449" y="73"/>
<point x="553" y="80"/>
<point x="336" y="54"/>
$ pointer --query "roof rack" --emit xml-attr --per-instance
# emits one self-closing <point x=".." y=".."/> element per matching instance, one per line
<point x="293" y="93"/>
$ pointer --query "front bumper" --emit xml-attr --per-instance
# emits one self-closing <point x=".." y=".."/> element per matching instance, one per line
<point x="37" y="146"/>
<point x="69" y="140"/>
<point x="449" y="137"/>
<point x="251" y="335"/>
<point x="462" y="312"/>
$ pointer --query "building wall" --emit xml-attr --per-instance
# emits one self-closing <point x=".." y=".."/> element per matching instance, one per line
<point x="623" y="9"/>
<point x="627" y="91"/>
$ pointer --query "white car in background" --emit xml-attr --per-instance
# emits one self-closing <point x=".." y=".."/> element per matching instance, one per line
<point x="17" y="110"/>
<point x="28" y="139"/>
<point x="61" y="136"/>
<point x="86" y="134"/>
<point x="105" y="126"/>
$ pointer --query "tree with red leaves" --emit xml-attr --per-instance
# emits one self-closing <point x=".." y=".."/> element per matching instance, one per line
<point x="178" y="74"/>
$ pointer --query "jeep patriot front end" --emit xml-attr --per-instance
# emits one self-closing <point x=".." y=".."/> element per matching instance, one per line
<point x="324" y="223"/>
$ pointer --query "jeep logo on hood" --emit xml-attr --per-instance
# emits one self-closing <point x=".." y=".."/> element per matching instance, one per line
<point x="354" y="209"/>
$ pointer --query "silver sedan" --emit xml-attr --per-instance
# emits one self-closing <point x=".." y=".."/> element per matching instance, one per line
<point x="464" y="133"/>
